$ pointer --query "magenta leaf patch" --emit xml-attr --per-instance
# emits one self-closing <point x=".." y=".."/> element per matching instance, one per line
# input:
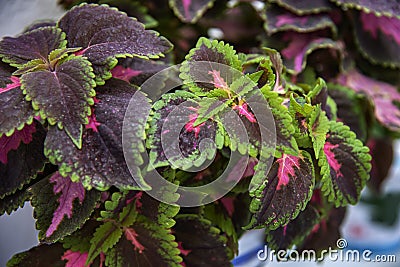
<point x="125" y="74"/>
<point x="12" y="142"/>
<point x="75" y="258"/>
<point x="21" y="158"/>
<point x="284" y="192"/>
<point x="345" y="165"/>
<point x="68" y="191"/>
<point x="383" y="95"/>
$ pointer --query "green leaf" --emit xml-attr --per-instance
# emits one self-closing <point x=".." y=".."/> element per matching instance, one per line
<point x="318" y="127"/>
<point x="285" y="141"/>
<point x="105" y="237"/>
<point x="71" y="85"/>
<point x="345" y="164"/>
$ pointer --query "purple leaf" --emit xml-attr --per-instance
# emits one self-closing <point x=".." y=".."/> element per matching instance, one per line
<point x="278" y="19"/>
<point x="131" y="235"/>
<point x="16" y="111"/>
<point x="295" y="231"/>
<point x="75" y="258"/>
<point x="190" y="10"/>
<point x="301" y="45"/>
<point x="12" y="142"/>
<point x="100" y="163"/>
<point x="69" y="191"/>
<point x="36" y="44"/>
<point x="283" y="193"/>
<point x="374" y="33"/>
<point x="105" y="33"/>
<point x="382" y="94"/>
<point x="66" y="97"/>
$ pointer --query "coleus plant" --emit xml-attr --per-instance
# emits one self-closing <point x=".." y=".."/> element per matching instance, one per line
<point x="64" y="90"/>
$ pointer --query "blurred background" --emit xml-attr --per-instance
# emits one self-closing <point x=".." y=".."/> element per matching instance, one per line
<point x="372" y="224"/>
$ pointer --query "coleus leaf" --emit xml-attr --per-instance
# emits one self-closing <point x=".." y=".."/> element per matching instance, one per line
<point x="372" y="33"/>
<point x="36" y="44"/>
<point x="283" y="193"/>
<point x="61" y="206"/>
<point x="345" y="165"/>
<point x="301" y="45"/>
<point x="275" y="62"/>
<point x="40" y="256"/>
<point x="217" y="75"/>
<point x="383" y="95"/>
<point x="190" y="11"/>
<point x="144" y="243"/>
<point x="285" y="141"/>
<point x="79" y="241"/>
<point x="318" y="127"/>
<point x="201" y="243"/>
<point x="381" y="150"/>
<point x="389" y="8"/>
<point x="285" y="237"/>
<point x="351" y="108"/>
<point x="325" y="233"/>
<point x="16" y="110"/>
<point x="102" y="143"/>
<point x="106" y="34"/>
<point x="12" y="202"/>
<point x="24" y="160"/>
<point x="71" y="86"/>
<point x="170" y="116"/>
<point x="105" y="237"/>
<point x="221" y="218"/>
<point x="277" y="20"/>
<point x="302" y="8"/>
